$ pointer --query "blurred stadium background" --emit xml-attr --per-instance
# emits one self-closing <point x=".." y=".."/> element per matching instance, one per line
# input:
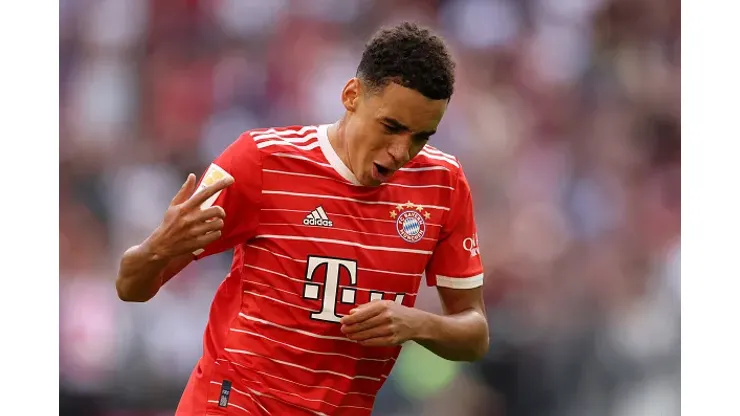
<point x="566" y="117"/>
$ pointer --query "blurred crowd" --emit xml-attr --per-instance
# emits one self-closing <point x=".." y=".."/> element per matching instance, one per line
<point x="566" y="117"/>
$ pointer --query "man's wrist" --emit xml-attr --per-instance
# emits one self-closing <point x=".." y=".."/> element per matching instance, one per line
<point x="423" y="325"/>
<point x="149" y="250"/>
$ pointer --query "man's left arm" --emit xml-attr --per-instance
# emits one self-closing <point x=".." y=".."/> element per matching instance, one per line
<point x="461" y="333"/>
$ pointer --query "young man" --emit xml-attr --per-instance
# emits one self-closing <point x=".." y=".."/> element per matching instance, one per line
<point x="333" y="228"/>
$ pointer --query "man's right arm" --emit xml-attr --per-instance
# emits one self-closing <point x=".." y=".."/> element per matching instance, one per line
<point x="196" y="225"/>
<point x="141" y="274"/>
<point x="186" y="228"/>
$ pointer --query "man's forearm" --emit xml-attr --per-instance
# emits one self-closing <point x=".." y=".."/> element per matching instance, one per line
<point x="142" y="273"/>
<point x="458" y="337"/>
<point x="139" y="274"/>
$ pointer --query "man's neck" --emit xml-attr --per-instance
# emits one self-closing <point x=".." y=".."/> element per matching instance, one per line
<point x="338" y="141"/>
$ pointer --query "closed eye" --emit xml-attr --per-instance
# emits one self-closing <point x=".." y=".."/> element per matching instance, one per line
<point x="392" y="129"/>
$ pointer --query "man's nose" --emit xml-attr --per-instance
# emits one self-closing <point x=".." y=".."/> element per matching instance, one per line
<point x="400" y="151"/>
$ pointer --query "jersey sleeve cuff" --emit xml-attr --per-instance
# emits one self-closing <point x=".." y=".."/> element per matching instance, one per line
<point x="471" y="282"/>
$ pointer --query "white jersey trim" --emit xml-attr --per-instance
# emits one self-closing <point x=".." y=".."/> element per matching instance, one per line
<point x="460" y="282"/>
<point x="332" y="157"/>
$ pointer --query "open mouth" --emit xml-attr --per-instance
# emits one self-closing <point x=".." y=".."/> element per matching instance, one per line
<point x="382" y="170"/>
<point x="381" y="173"/>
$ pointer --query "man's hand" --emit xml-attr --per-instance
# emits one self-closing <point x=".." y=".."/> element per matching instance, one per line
<point x="380" y="323"/>
<point x="461" y="334"/>
<point x="186" y="227"/>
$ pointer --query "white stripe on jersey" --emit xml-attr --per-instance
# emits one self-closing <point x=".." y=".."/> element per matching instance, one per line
<point x="424" y="169"/>
<point x="284" y="142"/>
<point x="239" y="391"/>
<point x="298" y="331"/>
<point x="358" y="393"/>
<point x="288" y="132"/>
<point x="299" y="157"/>
<point x="439" y="157"/>
<point x="309" y="351"/>
<point x="313" y="400"/>
<point x="281" y="301"/>
<point x="275" y="224"/>
<point x="304" y="261"/>
<point x="343" y="243"/>
<point x="402" y="185"/>
<point x="418" y="169"/>
<point x="255" y="392"/>
<point x="334" y="214"/>
<point x="343" y="198"/>
<point x="273" y="287"/>
<point x="229" y="404"/>
<point x="360" y="289"/>
<point x="308" y="175"/>
<point x="433" y="150"/>
<point x="277" y="273"/>
<point x="235" y="351"/>
<point x="292" y="394"/>
<point x="302" y="139"/>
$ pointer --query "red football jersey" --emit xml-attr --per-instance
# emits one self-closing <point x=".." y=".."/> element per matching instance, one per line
<point x="310" y="243"/>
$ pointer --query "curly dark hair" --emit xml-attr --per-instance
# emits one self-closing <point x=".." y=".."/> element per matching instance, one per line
<point x="411" y="56"/>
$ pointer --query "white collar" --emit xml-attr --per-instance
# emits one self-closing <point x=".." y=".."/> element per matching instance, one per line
<point x="332" y="157"/>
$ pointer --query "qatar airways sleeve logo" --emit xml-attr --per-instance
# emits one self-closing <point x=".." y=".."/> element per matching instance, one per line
<point x="470" y="245"/>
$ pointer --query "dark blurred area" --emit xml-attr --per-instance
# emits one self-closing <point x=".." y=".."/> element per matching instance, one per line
<point x="566" y="117"/>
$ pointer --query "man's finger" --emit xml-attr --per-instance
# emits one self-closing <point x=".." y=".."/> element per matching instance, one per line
<point x="364" y="325"/>
<point x="202" y="195"/>
<point x="388" y="341"/>
<point x="207" y="227"/>
<point x="186" y="190"/>
<point x="374" y="332"/>
<point x="210" y="213"/>
<point x="207" y="239"/>
<point x="363" y="312"/>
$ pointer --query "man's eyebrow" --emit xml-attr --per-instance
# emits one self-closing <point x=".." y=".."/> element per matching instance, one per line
<point x="400" y="126"/>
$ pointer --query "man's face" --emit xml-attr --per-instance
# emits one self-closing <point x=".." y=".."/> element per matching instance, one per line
<point x="385" y="130"/>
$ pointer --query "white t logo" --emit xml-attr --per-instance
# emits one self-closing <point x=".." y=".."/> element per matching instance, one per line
<point x="331" y="286"/>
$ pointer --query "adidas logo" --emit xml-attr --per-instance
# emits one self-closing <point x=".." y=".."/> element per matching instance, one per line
<point x="318" y="218"/>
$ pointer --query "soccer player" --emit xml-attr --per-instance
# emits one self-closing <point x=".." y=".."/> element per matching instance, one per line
<point x="333" y="229"/>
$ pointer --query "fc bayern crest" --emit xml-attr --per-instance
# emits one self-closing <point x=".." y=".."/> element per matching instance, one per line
<point x="410" y="223"/>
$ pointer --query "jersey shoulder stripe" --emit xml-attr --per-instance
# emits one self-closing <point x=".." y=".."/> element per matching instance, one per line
<point x="430" y="155"/>
<point x="291" y="138"/>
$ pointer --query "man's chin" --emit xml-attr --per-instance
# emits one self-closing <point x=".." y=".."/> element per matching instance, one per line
<point x="370" y="182"/>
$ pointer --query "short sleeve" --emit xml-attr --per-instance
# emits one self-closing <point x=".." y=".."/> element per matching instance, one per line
<point x="241" y="199"/>
<point x="456" y="262"/>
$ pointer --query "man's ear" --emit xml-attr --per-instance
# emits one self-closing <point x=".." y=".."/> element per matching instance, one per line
<point x="351" y="94"/>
